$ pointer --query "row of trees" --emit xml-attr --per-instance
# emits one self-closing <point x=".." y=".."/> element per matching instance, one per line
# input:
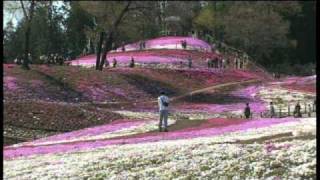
<point x="276" y="34"/>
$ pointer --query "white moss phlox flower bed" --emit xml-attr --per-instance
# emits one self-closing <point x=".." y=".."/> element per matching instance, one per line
<point x="198" y="158"/>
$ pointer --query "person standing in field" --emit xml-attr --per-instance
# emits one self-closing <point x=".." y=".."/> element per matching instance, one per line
<point x="223" y="63"/>
<point x="189" y="62"/>
<point x="114" y="62"/>
<point x="247" y="112"/>
<point x="208" y="62"/>
<point x="107" y="63"/>
<point x="272" y="112"/>
<point x="131" y="63"/>
<point x="297" y="110"/>
<point x="163" y="102"/>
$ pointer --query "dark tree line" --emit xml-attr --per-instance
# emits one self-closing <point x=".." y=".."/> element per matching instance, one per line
<point x="279" y="35"/>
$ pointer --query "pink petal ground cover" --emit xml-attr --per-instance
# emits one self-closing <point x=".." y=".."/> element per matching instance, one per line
<point x="203" y="131"/>
<point x="256" y="104"/>
<point x="113" y="126"/>
<point x="303" y="84"/>
<point x="170" y="41"/>
<point x="248" y="92"/>
<point x="148" y="56"/>
<point x="256" y="107"/>
<point x="269" y="147"/>
<point x="127" y="58"/>
<point x="5" y="66"/>
<point x="10" y="82"/>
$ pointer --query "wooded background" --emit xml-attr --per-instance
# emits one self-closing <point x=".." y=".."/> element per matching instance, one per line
<point x="278" y="35"/>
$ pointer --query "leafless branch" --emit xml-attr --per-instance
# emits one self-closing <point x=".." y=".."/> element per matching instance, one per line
<point x="123" y="12"/>
<point x="24" y="9"/>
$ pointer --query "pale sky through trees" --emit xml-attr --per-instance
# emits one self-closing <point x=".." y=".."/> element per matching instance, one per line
<point x="16" y="15"/>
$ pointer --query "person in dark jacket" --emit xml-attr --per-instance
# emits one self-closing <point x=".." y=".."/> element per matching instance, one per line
<point x="189" y="62"/>
<point x="247" y="112"/>
<point x="272" y="112"/>
<point x="114" y="62"/>
<point x="132" y="63"/>
<point x="297" y="110"/>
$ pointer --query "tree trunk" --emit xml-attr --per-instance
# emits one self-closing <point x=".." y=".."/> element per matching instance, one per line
<point x="99" y="50"/>
<point x="109" y="40"/>
<point x="215" y="16"/>
<point x="25" y="64"/>
<point x="49" y="47"/>
<point x="107" y="47"/>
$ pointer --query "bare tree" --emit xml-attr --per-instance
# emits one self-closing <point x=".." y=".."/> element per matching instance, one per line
<point x="28" y="14"/>
<point x="99" y="50"/>
<point x="110" y="15"/>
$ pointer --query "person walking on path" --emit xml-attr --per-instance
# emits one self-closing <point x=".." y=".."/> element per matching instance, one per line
<point x="163" y="102"/>
<point x="114" y="62"/>
<point x="208" y="62"/>
<point x="215" y="63"/>
<point x="223" y="63"/>
<point x="272" y="112"/>
<point x="297" y="110"/>
<point x="107" y="63"/>
<point x="131" y="63"/>
<point x="247" y="112"/>
<point x="189" y="62"/>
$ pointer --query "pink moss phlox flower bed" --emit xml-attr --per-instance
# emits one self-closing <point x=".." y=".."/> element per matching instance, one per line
<point x="303" y="84"/>
<point x="269" y="147"/>
<point x="170" y="42"/>
<point x="10" y="82"/>
<point x="9" y="66"/>
<point x="256" y="104"/>
<point x="243" y="73"/>
<point x="113" y="126"/>
<point x="203" y="131"/>
<point x="36" y="83"/>
<point x="256" y="107"/>
<point x="148" y="56"/>
<point x="127" y="58"/>
<point x="248" y="92"/>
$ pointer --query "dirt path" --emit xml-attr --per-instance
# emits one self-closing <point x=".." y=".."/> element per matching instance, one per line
<point x="215" y="87"/>
<point x="173" y="99"/>
<point x="179" y="125"/>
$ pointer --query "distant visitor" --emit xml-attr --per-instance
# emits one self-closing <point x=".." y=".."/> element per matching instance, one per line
<point x="107" y="63"/>
<point x="272" y="112"/>
<point x="114" y="64"/>
<point x="247" y="112"/>
<point x="297" y="110"/>
<point x="189" y="62"/>
<point x="132" y="63"/>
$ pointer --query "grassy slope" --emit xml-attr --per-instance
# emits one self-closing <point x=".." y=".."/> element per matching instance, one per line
<point x="69" y="84"/>
<point x="73" y="84"/>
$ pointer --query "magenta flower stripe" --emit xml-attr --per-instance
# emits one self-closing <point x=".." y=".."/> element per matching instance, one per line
<point x="203" y="131"/>
<point x="114" y="126"/>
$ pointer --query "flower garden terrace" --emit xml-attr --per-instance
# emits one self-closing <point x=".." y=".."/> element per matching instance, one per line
<point x="215" y="147"/>
<point x="162" y="50"/>
<point x="106" y="122"/>
<point x="73" y="89"/>
<point x="169" y="42"/>
<point x="76" y="84"/>
<point x="152" y="58"/>
<point x="206" y="134"/>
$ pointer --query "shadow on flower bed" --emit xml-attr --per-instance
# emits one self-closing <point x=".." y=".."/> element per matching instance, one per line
<point x="215" y="98"/>
<point x="69" y="94"/>
<point x="54" y="117"/>
<point x="150" y="86"/>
